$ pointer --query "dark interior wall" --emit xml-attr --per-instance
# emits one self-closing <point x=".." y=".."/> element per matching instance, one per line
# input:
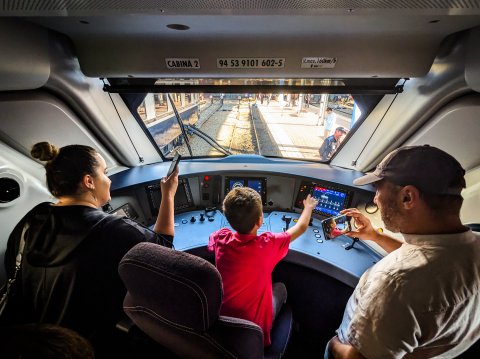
<point x="317" y="302"/>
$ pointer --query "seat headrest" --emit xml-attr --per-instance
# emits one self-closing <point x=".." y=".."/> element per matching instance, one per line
<point x="177" y="286"/>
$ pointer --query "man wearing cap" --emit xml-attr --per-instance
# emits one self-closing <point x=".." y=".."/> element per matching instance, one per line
<point x="331" y="143"/>
<point x="422" y="300"/>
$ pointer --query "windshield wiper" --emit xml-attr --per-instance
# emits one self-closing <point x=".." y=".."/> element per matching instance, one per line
<point x="180" y="123"/>
<point x="212" y="142"/>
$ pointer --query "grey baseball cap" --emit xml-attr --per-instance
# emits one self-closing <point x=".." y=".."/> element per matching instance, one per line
<point x="341" y="129"/>
<point x="425" y="167"/>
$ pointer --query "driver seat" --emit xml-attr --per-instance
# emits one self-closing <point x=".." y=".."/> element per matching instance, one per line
<point x="175" y="297"/>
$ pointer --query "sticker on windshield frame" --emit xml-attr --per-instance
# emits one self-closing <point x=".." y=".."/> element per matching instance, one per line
<point x="250" y="62"/>
<point x="319" y="62"/>
<point x="179" y="63"/>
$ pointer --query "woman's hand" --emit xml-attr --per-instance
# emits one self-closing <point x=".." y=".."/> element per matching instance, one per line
<point x="169" y="184"/>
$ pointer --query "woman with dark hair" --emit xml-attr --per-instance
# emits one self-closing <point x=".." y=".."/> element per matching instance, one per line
<point x="72" y="248"/>
<point x="43" y="341"/>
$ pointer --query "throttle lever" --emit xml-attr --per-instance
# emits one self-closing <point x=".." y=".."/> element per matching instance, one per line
<point x="288" y="219"/>
<point x="350" y="246"/>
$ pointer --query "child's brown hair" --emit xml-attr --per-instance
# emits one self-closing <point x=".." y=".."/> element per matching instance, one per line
<point x="243" y="207"/>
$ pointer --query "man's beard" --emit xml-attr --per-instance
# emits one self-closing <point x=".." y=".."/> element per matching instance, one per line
<point x="390" y="213"/>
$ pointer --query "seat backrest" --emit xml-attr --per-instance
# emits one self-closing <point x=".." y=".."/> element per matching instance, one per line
<point x="175" y="297"/>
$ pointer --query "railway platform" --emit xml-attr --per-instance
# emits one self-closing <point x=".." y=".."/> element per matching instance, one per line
<point x="298" y="134"/>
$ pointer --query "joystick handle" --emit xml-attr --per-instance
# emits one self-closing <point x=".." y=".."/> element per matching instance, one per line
<point x="351" y="245"/>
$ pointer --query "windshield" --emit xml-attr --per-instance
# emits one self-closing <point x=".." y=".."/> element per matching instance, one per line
<point x="300" y="126"/>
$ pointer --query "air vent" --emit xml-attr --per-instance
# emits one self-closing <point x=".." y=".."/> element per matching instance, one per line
<point x="9" y="190"/>
<point x="89" y="7"/>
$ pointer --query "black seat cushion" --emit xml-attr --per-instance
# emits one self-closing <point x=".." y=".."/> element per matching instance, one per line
<point x="175" y="298"/>
<point x="176" y="286"/>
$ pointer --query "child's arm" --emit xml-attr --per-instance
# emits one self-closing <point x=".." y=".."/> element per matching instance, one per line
<point x="309" y="204"/>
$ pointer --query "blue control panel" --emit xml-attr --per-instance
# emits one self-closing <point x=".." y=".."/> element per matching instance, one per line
<point x="311" y="249"/>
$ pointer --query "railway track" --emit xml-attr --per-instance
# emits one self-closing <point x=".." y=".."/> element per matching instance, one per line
<point x="232" y="125"/>
<point x="244" y="139"/>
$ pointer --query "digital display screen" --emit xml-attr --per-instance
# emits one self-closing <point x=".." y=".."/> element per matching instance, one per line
<point x="182" y="201"/>
<point x="336" y="226"/>
<point x="330" y="201"/>
<point x="259" y="184"/>
<point x="331" y="198"/>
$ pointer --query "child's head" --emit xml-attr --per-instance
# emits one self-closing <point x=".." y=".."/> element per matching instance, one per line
<point x="243" y="207"/>
<point x="333" y="224"/>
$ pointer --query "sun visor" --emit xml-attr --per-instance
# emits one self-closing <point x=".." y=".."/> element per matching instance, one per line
<point x="25" y="62"/>
<point x="352" y="56"/>
<point x="472" y="63"/>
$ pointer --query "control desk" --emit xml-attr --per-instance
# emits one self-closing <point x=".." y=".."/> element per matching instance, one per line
<point x="311" y="249"/>
<point x="282" y="186"/>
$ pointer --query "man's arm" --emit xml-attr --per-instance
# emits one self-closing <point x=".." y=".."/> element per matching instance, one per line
<point x="364" y="230"/>
<point x="343" y="351"/>
<point x="325" y="149"/>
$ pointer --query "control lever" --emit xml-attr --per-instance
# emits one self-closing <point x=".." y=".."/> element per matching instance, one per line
<point x="202" y="217"/>
<point x="210" y="212"/>
<point x="287" y="219"/>
<point x="350" y="246"/>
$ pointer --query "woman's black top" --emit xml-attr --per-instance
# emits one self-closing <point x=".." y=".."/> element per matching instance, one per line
<point x="69" y="270"/>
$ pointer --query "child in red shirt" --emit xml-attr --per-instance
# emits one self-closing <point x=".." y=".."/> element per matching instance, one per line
<point x="246" y="261"/>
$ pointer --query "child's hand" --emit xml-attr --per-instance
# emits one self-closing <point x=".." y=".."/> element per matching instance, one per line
<point x="310" y="203"/>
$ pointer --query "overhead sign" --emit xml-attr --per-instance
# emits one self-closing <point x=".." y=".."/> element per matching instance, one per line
<point x="182" y="63"/>
<point x="319" y="62"/>
<point x="250" y="62"/>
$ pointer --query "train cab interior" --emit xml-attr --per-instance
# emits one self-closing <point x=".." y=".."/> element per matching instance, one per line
<point x="241" y="90"/>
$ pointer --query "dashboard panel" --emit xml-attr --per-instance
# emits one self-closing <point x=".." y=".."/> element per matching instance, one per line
<point x="201" y="192"/>
<point x="259" y="184"/>
<point x="183" y="196"/>
<point x="331" y="199"/>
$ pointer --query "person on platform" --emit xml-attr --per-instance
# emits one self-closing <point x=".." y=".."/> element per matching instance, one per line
<point x="331" y="143"/>
<point x="330" y="120"/>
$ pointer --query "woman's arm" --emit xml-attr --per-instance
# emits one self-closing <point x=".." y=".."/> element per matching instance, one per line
<point x="166" y="212"/>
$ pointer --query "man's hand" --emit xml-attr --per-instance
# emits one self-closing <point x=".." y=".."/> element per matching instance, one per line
<point x="363" y="226"/>
<point x="343" y="351"/>
<point x="364" y="230"/>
